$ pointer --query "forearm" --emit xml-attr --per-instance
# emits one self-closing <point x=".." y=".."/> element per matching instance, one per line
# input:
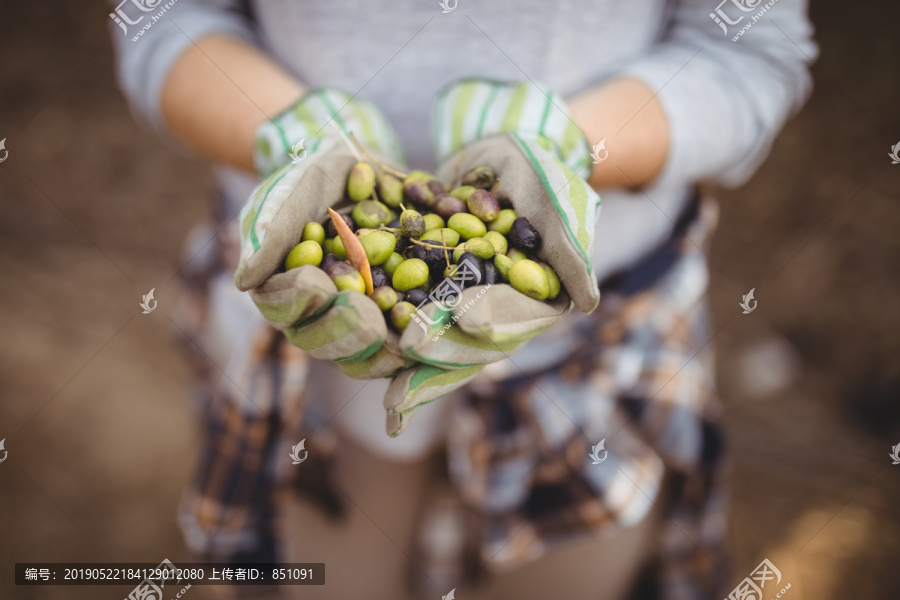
<point x="627" y="114"/>
<point x="219" y="92"/>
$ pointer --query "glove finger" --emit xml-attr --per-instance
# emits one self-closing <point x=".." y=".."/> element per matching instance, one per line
<point x="417" y="386"/>
<point x="386" y="362"/>
<point x="272" y="221"/>
<point x="351" y="329"/>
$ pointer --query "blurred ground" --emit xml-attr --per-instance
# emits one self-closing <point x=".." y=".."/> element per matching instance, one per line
<point x="93" y="212"/>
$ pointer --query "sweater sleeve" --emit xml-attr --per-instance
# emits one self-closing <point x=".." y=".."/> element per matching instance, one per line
<point x="150" y="35"/>
<point x="727" y="88"/>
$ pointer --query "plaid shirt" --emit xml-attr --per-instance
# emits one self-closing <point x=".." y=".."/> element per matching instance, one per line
<point x="640" y="379"/>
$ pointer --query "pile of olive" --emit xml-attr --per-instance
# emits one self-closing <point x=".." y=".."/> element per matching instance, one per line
<point x="411" y="248"/>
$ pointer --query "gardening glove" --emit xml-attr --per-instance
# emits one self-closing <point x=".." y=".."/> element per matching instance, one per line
<point x="540" y="158"/>
<point x="305" y="157"/>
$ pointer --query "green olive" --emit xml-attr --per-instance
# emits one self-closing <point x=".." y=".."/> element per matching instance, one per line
<point x="304" y="253"/>
<point x="390" y="190"/>
<point x="401" y="314"/>
<point x="498" y="241"/>
<point x="515" y="255"/>
<point x="433" y="221"/>
<point x="444" y="236"/>
<point x="346" y="277"/>
<point x="385" y="297"/>
<point x="530" y="278"/>
<point x="480" y="247"/>
<point x="503" y="222"/>
<point x="467" y="226"/>
<point x="314" y="232"/>
<point x="328" y="246"/>
<point x="371" y="214"/>
<point x="379" y="245"/>
<point x="337" y="248"/>
<point x="411" y="273"/>
<point x="393" y="261"/>
<point x="503" y="264"/>
<point x="361" y="181"/>
<point x="463" y="192"/>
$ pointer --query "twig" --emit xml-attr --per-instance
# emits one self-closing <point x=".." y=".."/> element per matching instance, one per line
<point x="380" y="164"/>
<point x="347" y="141"/>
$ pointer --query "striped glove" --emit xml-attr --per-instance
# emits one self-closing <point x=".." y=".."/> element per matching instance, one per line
<point x="541" y="158"/>
<point x="306" y="164"/>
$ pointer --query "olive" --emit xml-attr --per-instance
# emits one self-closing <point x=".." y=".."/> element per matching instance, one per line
<point x="390" y="190"/>
<point x="553" y="281"/>
<point x="503" y="223"/>
<point x="471" y="270"/>
<point x="328" y="246"/>
<point x="497" y="241"/>
<point x="436" y="187"/>
<point x="466" y="225"/>
<point x="530" y="278"/>
<point x="433" y="221"/>
<point x="345" y="277"/>
<point x="503" y="264"/>
<point x="463" y="192"/>
<point x="411" y="273"/>
<point x="443" y="236"/>
<point x="393" y="261"/>
<point x="332" y="232"/>
<point x="329" y="260"/>
<point x="385" y="297"/>
<point x="304" y="253"/>
<point x="401" y="314"/>
<point x="433" y="257"/>
<point x="379" y="277"/>
<point x="480" y="177"/>
<point x="448" y="205"/>
<point x="515" y="255"/>
<point x="483" y="205"/>
<point x="411" y="223"/>
<point x="523" y="236"/>
<point x="419" y="193"/>
<point x="315" y="232"/>
<point x="416" y="296"/>
<point x="491" y="273"/>
<point x="361" y="181"/>
<point x="337" y="248"/>
<point x="371" y="214"/>
<point x="480" y="247"/>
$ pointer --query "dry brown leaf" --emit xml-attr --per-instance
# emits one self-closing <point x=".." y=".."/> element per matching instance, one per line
<point x="355" y="252"/>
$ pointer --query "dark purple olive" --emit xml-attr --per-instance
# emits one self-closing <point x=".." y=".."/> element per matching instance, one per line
<point x="332" y="232"/>
<point x="491" y="273"/>
<point x="436" y="187"/>
<point x="447" y="205"/>
<point x="433" y="257"/>
<point x="380" y="277"/>
<point x="480" y="177"/>
<point x="419" y="194"/>
<point x="338" y="266"/>
<point x="523" y="236"/>
<point x="329" y="260"/>
<point x="416" y="296"/>
<point x="471" y="270"/>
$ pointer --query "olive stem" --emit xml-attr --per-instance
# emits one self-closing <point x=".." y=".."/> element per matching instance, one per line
<point x="495" y="186"/>
<point x="429" y="244"/>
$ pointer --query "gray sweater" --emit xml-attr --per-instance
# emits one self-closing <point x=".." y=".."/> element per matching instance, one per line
<point x="725" y="100"/>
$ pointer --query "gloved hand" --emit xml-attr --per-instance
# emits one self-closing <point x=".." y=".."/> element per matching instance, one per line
<point x="541" y="159"/>
<point x="306" y="162"/>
